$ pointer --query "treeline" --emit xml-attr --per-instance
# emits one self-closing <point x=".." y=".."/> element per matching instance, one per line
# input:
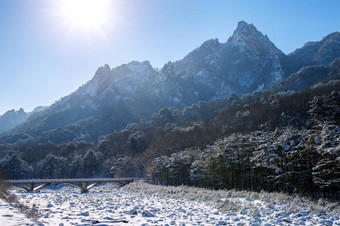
<point x="288" y="160"/>
<point x="130" y="152"/>
<point x="14" y="166"/>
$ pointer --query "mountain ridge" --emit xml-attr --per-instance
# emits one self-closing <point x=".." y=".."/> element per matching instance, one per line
<point x="115" y="97"/>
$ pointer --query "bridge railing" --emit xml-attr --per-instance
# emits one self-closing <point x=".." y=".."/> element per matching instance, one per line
<point x="70" y="180"/>
<point x="84" y="187"/>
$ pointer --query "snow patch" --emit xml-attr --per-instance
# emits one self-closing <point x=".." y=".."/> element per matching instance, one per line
<point x="260" y="87"/>
<point x="277" y="76"/>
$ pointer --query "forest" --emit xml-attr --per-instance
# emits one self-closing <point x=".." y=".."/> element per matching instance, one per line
<point x="287" y="141"/>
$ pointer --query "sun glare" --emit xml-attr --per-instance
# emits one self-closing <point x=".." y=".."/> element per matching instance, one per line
<point x="88" y="15"/>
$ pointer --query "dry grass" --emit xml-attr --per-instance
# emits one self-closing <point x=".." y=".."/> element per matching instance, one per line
<point x="228" y="200"/>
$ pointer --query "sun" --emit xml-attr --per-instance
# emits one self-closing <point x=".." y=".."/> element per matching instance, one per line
<point x="87" y="15"/>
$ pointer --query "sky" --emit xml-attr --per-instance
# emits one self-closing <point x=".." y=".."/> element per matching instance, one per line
<point x="45" y="54"/>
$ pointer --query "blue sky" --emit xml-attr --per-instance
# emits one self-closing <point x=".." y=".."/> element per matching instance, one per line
<point x="42" y="59"/>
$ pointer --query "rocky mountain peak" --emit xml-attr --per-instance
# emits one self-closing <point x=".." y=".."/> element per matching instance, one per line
<point x="243" y="26"/>
<point x="103" y="70"/>
<point x="245" y="32"/>
<point x="11" y="119"/>
<point x="247" y="39"/>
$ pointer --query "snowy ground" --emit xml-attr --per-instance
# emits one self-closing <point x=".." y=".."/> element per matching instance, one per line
<point x="12" y="216"/>
<point x="139" y="203"/>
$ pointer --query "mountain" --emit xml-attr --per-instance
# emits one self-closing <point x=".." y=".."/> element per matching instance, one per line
<point x="315" y="53"/>
<point x="248" y="61"/>
<point x="11" y="119"/>
<point x="113" y="98"/>
<point x="308" y="76"/>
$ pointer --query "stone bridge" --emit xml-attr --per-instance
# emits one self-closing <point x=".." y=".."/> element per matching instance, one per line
<point x="83" y="183"/>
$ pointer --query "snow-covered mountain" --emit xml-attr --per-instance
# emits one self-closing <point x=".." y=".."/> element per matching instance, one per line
<point x="315" y="53"/>
<point x="309" y="76"/>
<point x="110" y="100"/>
<point x="247" y="62"/>
<point x="11" y="119"/>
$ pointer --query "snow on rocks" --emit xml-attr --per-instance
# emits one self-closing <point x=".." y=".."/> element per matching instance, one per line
<point x="144" y="204"/>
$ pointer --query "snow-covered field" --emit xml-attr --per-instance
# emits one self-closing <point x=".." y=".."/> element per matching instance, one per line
<point x="144" y="204"/>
